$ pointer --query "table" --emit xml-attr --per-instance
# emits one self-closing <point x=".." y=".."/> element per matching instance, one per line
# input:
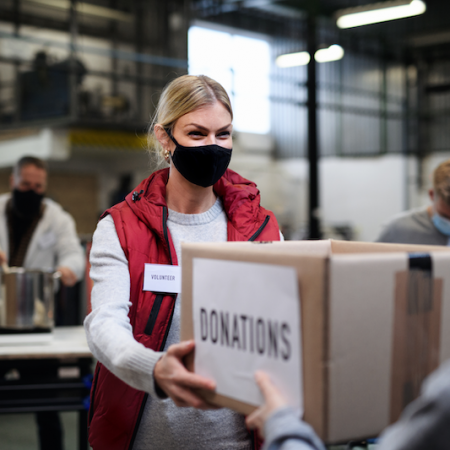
<point x="52" y="376"/>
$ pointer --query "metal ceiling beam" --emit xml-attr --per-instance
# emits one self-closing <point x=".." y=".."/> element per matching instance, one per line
<point x="87" y="9"/>
<point x="430" y="39"/>
<point x="120" y="54"/>
<point x="8" y="15"/>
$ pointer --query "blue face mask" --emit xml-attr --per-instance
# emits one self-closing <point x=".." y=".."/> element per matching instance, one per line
<point x="441" y="223"/>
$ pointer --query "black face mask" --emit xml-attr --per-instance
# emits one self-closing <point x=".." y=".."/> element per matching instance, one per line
<point x="203" y="165"/>
<point x="27" y="203"/>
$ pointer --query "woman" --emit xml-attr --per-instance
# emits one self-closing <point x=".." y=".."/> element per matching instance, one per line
<point x="140" y="380"/>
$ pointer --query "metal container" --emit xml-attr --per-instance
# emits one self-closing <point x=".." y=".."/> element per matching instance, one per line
<point x="27" y="299"/>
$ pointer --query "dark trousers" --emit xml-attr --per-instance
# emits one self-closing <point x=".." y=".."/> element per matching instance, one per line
<point x="48" y="422"/>
<point x="50" y="430"/>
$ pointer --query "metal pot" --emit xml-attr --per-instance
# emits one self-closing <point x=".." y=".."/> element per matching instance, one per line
<point x="27" y="299"/>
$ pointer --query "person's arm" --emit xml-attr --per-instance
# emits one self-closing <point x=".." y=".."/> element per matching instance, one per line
<point x="278" y="423"/>
<point x="109" y="332"/>
<point x="108" y="327"/>
<point x="285" y="431"/>
<point x="424" y="423"/>
<point x="70" y="257"/>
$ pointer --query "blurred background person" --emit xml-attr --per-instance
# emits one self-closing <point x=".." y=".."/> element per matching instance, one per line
<point x="36" y="233"/>
<point x="427" y="226"/>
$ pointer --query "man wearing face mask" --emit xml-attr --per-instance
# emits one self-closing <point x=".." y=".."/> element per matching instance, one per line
<point x="426" y="226"/>
<point x="36" y="233"/>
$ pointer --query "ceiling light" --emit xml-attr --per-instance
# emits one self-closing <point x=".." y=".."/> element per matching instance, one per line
<point x="332" y="53"/>
<point x="379" y="12"/>
<point x="293" y="59"/>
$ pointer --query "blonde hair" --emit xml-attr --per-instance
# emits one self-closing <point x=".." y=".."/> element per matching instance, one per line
<point x="182" y="96"/>
<point x="441" y="181"/>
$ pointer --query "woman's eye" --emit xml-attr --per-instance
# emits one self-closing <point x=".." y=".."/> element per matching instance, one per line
<point x="195" y="133"/>
<point x="224" y="134"/>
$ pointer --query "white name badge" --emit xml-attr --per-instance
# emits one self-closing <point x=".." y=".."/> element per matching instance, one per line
<point x="162" y="278"/>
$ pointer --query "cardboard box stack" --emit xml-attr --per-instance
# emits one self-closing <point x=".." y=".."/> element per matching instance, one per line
<point x="375" y="321"/>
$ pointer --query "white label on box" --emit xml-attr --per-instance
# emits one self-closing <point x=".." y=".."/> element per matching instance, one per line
<point x="247" y="318"/>
<point x="162" y="278"/>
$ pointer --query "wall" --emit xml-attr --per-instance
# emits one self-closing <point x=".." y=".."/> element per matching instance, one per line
<point x="361" y="100"/>
<point x="42" y="143"/>
<point x="363" y="193"/>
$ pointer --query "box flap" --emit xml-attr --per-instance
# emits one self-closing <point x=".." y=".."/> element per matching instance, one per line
<point x="338" y="247"/>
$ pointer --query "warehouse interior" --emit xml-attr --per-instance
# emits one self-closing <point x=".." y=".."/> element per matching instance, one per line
<point x="336" y="148"/>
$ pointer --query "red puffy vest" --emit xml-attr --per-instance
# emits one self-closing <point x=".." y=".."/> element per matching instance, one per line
<point x="140" y="221"/>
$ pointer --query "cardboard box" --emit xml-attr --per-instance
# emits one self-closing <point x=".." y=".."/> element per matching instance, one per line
<point x="375" y="321"/>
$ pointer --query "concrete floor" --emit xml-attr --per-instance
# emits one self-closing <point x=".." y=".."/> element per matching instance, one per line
<point x="19" y="431"/>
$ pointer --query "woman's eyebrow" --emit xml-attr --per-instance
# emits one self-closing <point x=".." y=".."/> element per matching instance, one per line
<point x="206" y="129"/>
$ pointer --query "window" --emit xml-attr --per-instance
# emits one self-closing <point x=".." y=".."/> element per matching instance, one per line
<point x="242" y="65"/>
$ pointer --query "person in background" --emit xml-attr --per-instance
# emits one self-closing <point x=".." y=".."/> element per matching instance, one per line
<point x="143" y="397"/>
<point x="427" y="226"/>
<point x="36" y="233"/>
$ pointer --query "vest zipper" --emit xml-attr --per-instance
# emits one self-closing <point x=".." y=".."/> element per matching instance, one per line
<point x="163" y="343"/>
<point x="166" y="234"/>
<point x="138" y="421"/>
<point x="166" y="237"/>
<point x="259" y="230"/>
<point x="144" y="400"/>
<point x="153" y="314"/>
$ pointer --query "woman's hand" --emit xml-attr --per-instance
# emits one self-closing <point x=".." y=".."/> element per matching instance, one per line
<point x="68" y="278"/>
<point x="3" y="258"/>
<point x="273" y="401"/>
<point x="177" y="382"/>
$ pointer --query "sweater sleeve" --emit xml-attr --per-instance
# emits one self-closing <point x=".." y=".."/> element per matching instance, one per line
<point x="285" y="431"/>
<point x="69" y="252"/>
<point x="108" y="329"/>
